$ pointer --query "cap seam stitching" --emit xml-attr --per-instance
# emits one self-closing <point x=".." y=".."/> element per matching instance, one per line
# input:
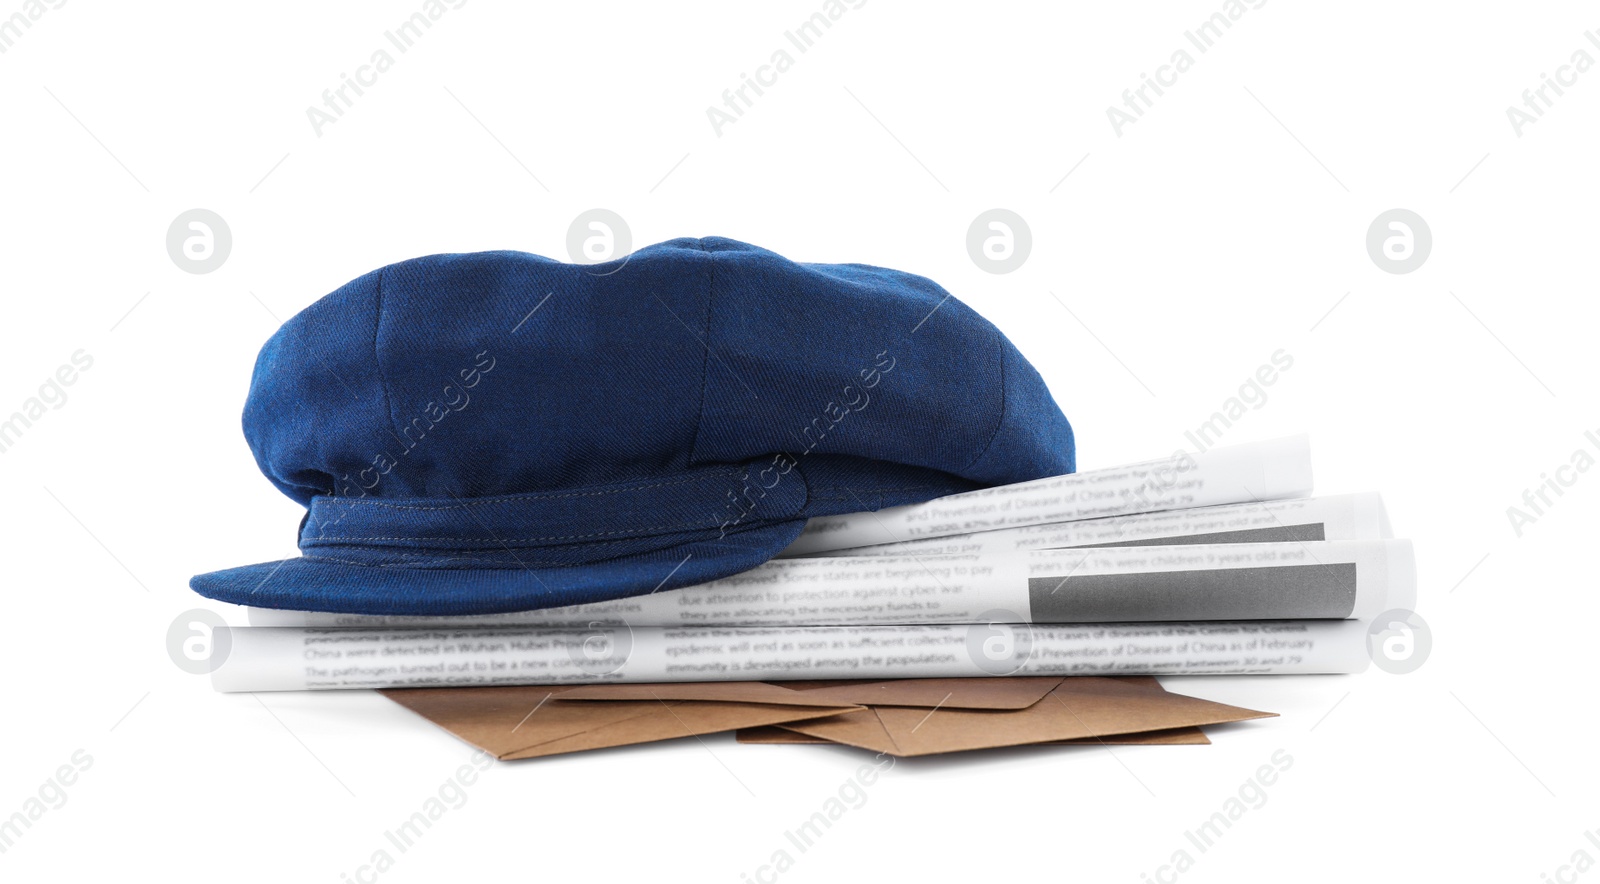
<point x="411" y="567"/>
<point x="995" y="434"/>
<point x="874" y="490"/>
<point x="434" y="556"/>
<point x="377" y="359"/>
<point x="338" y="541"/>
<point x="805" y="487"/>
<point x="491" y="546"/>
<point x="352" y="502"/>
<point x="705" y="355"/>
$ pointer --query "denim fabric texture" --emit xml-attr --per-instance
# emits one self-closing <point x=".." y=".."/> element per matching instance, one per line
<point x="497" y="431"/>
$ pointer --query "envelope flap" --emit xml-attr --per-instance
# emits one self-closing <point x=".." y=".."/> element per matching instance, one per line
<point x="526" y="722"/>
<point x="669" y="721"/>
<point x="1015" y="692"/>
<point x="1078" y="708"/>
<point x="783" y="735"/>
<point x="861" y="729"/>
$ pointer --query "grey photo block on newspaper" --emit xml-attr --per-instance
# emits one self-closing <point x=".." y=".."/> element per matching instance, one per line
<point x="1271" y="593"/>
<point x="1272" y="534"/>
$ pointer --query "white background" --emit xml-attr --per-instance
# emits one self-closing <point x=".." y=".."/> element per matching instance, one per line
<point x="1226" y="224"/>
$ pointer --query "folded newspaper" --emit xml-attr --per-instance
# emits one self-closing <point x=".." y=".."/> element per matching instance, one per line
<point x="1213" y="563"/>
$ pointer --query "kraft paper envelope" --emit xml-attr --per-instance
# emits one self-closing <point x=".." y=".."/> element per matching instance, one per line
<point x="529" y="722"/>
<point x="1077" y="708"/>
<point x="1184" y="736"/>
<point x="778" y="735"/>
<point x="1012" y="692"/>
<point x="906" y="716"/>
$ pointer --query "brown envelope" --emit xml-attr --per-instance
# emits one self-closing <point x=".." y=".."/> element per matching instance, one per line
<point x="1014" y="692"/>
<point x="777" y="735"/>
<point x="529" y="722"/>
<point x="1077" y="708"/>
<point x="1183" y="736"/>
<point x="906" y="716"/>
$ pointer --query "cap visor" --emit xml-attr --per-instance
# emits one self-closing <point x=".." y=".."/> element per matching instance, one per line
<point x="320" y="584"/>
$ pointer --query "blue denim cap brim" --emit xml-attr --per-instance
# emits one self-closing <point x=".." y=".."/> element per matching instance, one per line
<point x="311" y="583"/>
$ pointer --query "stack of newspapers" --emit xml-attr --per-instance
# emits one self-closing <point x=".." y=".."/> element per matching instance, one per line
<point x="1216" y="562"/>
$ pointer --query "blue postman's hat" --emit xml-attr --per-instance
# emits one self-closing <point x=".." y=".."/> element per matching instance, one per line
<point x="498" y="431"/>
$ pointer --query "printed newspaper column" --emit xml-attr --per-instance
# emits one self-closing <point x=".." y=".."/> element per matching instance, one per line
<point x="1235" y="474"/>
